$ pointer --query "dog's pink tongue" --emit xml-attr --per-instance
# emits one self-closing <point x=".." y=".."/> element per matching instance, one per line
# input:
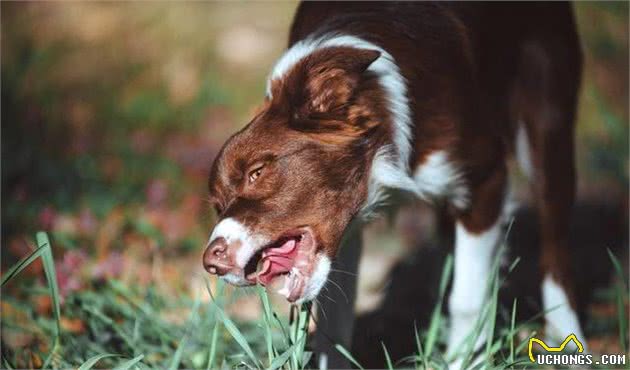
<point x="277" y="261"/>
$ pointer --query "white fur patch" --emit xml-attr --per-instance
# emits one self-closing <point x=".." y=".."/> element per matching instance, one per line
<point x="510" y="204"/>
<point x="438" y="177"/>
<point x="317" y="280"/>
<point x="234" y="280"/>
<point x="561" y="320"/>
<point x="323" y="361"/>
<point x="523" y="152"/>
<point x="233" y="231"/>
<point x="472" y="265"/>
<point x="390" y="167"/>
<point x="385" y="174"/>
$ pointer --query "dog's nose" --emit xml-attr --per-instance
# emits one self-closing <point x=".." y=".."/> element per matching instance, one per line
<point x="216" y="259"/>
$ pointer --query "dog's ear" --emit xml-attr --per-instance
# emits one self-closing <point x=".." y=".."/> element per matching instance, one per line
<point x="331" y="77"/>
<point x="324" y="83"/>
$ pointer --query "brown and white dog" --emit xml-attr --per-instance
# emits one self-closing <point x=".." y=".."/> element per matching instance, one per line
<point x="427" y="99"/>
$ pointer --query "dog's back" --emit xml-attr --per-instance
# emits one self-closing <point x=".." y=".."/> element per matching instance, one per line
<point x="501" y="44"/>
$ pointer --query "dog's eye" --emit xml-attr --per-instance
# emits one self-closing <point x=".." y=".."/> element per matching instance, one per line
<point x="255" y="173"/>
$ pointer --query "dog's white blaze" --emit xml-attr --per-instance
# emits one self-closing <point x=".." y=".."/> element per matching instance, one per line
<point x="523" y="152"/>
<point x="390" y="167"/>
<point x="473" y="260"/>
<point x="439" y="177"/>
<point x="560" y="319"/>
<point x="233" y="231"/>
<point x="317" y="280"/>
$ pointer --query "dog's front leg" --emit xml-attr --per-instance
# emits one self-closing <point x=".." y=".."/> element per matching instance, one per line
<point x="335" y="304"/>
<point x="478" y="231"/>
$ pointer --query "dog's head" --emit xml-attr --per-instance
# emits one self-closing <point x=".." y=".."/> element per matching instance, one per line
<point x="287" y="185"/>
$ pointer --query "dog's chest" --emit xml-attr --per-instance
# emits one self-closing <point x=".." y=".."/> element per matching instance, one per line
<point x="439" y="177"/>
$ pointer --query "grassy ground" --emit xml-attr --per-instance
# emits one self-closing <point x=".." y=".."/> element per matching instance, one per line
<point x="117" y="326"/>
<point x="111" y="115"/>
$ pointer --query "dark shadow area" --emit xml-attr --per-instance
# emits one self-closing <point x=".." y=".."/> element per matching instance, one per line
<point x="413" y="284"/>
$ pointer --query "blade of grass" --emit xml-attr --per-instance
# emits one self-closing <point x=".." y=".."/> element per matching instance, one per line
<point x="617" y="265"/>
<point x="278" y="361"/>
<point x="293" y="331"/>
<point x="470" y="341"/>
<point x="491" y="291"/>
<point x="621" y="318"/>
<point x="283" y="329"/>
<point x="238" y="336"/>
<point x="408" y="359"/>
<point x="434" y="325"/>
<point x="44" y="250"/>
<point x="213" y="345"/>
<point x="17" y="268"/>
<point x="217" y="325"/>
<point x="492" y="318"/>
<point x="303" y="320"/>
<point x="136" y="330"/>
<point x="129" y="363"/>
<point x="51" y="277"/>
<point x="109" y="322"/>
<point x="524" y="343"/>
<point x="306" y="357"/>
<point x="621" y="293"/>
<point x="87" y="365"/>
<point x="299" y="329"/>
<point x="6" y="364"/>
<point x="264" y="298"/>
<point x="388" y="360"/>
<point x="511" y="333"/>
<point x="177" y="356"/>
<point x="347" y="355"/>
<point x="419" y="347"/>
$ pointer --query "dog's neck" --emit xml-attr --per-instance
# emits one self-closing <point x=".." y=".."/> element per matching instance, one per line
<point x="389" y="161"/>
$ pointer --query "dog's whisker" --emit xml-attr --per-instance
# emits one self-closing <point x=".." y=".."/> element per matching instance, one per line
<point x="344" y="272"/>
<point x="321" y="308"/>
<point x="326" y="295"/>
<point x="341" y="290"/>
<point x="330" y="299"/>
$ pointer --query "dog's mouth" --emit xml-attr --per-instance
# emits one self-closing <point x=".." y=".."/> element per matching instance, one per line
<point x="291" y="256"/>
<point x="273" y="260"/>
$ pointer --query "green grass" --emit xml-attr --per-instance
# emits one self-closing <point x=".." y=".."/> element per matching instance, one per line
<point x="43" y="251"/>
<point x="52" y="103"/>
<point x="126" y="329"/>
<point x="118" y="316"/>
<point x="621" y="296"/>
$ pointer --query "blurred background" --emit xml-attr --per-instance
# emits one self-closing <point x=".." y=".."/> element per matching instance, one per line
<point x="112" y="113"/>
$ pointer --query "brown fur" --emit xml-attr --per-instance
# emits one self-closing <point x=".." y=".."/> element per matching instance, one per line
<point x="473" y="72"/>
<point x="311" y="137"/>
